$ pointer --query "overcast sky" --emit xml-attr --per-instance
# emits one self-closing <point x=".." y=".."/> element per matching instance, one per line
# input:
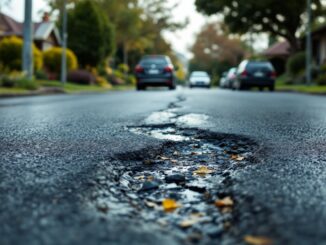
<point x="180" y="40"/>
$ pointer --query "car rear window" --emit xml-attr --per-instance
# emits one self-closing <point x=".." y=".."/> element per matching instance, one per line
<point x="199" y="74"/>
<point x="154" y="60"/>
<point x="262" y="66"/>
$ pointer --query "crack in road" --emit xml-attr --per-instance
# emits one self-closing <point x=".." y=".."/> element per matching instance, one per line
<point x="135" y="184"/>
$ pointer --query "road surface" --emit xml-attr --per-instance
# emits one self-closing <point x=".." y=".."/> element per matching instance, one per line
<point x="94" y="169"/>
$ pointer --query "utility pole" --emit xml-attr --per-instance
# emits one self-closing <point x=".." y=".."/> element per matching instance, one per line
<point x="64" y="43"/>
<point x="308" y="44"/>
<point x="27" y="64"/>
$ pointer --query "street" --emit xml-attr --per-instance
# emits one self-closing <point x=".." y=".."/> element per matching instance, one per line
<point x="94" y="168"/>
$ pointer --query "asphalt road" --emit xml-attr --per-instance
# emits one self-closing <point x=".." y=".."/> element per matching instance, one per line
<point x="53" y="146"/>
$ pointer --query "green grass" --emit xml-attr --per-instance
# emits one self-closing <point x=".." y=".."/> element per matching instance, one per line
<point x="301" y="88"/>
<point x="314" y="89"/>
<point x="70" y="88"/>
<point x="13" y="91"/>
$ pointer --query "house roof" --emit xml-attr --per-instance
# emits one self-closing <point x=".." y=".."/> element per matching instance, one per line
<point x="278" y="49"/>
<point x="42" y="30"/>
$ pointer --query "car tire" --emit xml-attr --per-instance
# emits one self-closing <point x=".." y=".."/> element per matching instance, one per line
<point x="172" y="87"/>
<point x="139" y="88"/>
<point x="272" y="88"/>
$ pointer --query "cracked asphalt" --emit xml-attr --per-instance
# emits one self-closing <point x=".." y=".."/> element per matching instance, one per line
<point x="53" y="147"/>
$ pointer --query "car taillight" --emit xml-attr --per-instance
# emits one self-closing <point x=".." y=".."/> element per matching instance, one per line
<point x="139" y="69"/>
<point x="244" y="73"/>
<point x="273" y="74"/>
<point x="168" y="69"/>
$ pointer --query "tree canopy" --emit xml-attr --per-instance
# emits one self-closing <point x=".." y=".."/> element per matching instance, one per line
<point x="90" y="34"/>
<point x="282" y="18"/>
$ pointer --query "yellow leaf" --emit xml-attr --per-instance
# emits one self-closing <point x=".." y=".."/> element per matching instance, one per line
<point x="203" y="170"/>
<point x="225" y="202"/>
<point x="237" y="157"/>
<point x="256" y="240"/>
<point x="170" y="205"/>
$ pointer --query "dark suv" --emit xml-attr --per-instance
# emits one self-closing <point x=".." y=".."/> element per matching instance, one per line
<point x="259" y="74"/>
<point x="155" y="70"/>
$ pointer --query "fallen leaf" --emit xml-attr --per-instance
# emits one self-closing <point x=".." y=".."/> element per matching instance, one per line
<point x="164" y="158"/>
<point x="176" y="153"/>
<point x="193" y="219"/>
<point x="174" y="161"/>
<point x="150" y="178"/>
<point x="256" y="240"/>
<point x="203" y="170"/>
<point x="142" y="177"/>
<point x="237" y="157"/>
<point x="188" y="223"/>
<point x="170" y="205"/>
<point x="151" y="204"/>
<point x="225" y="202"/>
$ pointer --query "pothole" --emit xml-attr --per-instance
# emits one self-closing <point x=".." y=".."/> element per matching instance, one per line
<point x="192" y="173"/>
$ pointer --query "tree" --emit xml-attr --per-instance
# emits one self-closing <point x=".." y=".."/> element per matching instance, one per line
<point x="282" y="18"/>
<point x="90" y="34"/>
<point x="214" y="48"/>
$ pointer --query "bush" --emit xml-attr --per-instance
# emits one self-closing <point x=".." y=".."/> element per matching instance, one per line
<point x="41" y="75"/>
<point x="296" y="64"/>
<point x="131" y="80"/>
<point x="17" y="80"/>
<point x="321" y="80"/>
<point x="81" y="77"/>
<point x="123" y="68"/>
<point x="102" y="82"/>
<point x="11" y="54"/>
<point x="52" y="60"/>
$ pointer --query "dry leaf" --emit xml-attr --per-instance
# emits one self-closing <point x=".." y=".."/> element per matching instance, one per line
<point x="203" y="170"/>
<point x="225" y="202"/>
<point x="164" y="158"/>
<point x="170" y="205"/>
<point x="141" y="177"/>
<point x="151" y="204"/>
<point x="193" y="219"/>
<point x="173" y="161"/>
<point x="256" y="240"/>
<point x="237" y="157"/>
<point x="188" y="223"/>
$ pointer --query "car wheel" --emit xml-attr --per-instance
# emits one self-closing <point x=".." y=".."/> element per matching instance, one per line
<point x="139" y="87"/>
<point x="172" y="87"/>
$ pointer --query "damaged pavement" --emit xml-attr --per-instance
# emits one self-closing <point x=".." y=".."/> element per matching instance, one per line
<point x="138" y="168"/>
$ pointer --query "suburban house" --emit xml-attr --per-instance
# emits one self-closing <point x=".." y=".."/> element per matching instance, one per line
<point x="279" y="52"/>
<point x="46" y="34"/>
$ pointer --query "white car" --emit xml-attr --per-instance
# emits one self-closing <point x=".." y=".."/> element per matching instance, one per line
<point x="199" y="79"/>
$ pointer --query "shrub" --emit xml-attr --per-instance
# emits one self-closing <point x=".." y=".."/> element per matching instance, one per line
<point x="11" y="54"/>
<point x="102" y="82"/>
<point x="131" y="80"/>
<point x="52" y="60"/>
<point x="123" y="68"/>
<point x="296" y="64"/>
<point x="321" y="80"/>
<point x="41" y="75"/>
<point x="17" y="79"/>
<point x="81" y="77"/>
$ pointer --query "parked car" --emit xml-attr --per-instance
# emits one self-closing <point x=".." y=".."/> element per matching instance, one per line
<point x="259" y="74"/>
<point x="155" y="70"/>
<point x="230" y="78"/>
<point x="199" y="79"/>
<point x="223" y="79"/>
